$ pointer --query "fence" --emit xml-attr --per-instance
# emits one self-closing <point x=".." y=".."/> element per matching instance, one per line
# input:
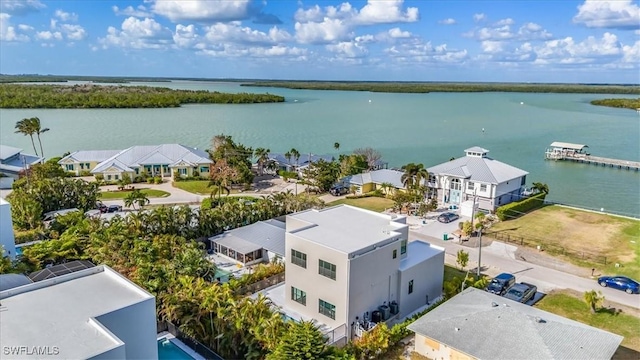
<point x="192" y="343"/>
<point x="547" y="247"/>
<point x="262" y="284"/>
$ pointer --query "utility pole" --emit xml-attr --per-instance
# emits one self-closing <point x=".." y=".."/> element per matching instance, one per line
<point x="479" y="252"/>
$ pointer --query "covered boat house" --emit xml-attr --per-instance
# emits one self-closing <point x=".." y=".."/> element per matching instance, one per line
<point x="562" y="150"/>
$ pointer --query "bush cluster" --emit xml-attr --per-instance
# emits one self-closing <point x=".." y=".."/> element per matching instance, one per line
<point x="515" y="209"/>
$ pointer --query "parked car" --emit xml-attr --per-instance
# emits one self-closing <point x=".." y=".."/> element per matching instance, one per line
<point x="114" y="208"/>
<point x="338" y="190"/>
<point x="448" y="217"/>
<point x="623" y="283"/>
<point x="501" y="283"/>
<point x="521" y="292"/>
<point x="102" y="207"/>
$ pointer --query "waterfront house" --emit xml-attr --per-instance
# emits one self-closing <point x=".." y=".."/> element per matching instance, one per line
<point x="93" y="313"/>
<point x="280" y="162"/>
<point x="84" y="161"/>
<point x="492" y="182"/>
<point x="373" y="180"/>
<point x="348" y="268"/>
<point x="154" y="160"/>
<point x="262" y="241"/>
<point x="476" y="324"/>
<point x="12" y="163"/>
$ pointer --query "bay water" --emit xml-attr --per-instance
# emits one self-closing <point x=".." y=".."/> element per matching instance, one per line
<point x="423" y="128"/>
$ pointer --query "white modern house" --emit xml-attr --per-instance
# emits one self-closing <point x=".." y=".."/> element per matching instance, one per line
<point x="476" y="324"/>
<point x="154" y="160"/>
<point x="348" y="267"/>
<point x="492" y="182"/>
<point x="262" y="241"/>
<point x="12" y="163"/>
<point x="94" y="313"/>
<point x="7" y="240"/>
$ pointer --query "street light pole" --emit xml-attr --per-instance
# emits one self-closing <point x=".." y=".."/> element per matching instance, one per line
<point x="479" y="252"/>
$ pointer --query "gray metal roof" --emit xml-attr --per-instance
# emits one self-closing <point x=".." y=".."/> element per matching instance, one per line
<point x="564" y="145"/>
<point x="10" y="281"/>
<point x="477" y="149"/>
<point x="487" y="326"/>
<point x="89" y="155"/>
<point x="479" y="169"/>
<point x="147" y="154"/>
<point x="8" y="151"/>
<point x="303" y="160"/>
<point x="268" y="235"/>
<point x="394" y="177"/>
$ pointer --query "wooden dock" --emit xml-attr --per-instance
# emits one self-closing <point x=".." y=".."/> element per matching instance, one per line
<point x="575" y="153"/>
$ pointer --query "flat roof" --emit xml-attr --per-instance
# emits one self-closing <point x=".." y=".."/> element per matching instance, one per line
<point x="61" y="312"/>
<point x="565" y="145"/>
<point x="346" y="228"/>
<point x="417" y="252"/>
<point x="488" y="326"/>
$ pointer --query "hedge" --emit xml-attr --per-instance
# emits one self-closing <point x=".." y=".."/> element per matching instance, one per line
<point x="26" y="236"/>
<point x="515" y="209"/>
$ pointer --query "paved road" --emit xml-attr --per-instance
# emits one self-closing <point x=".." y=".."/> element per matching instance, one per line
<point x="500" y="257"/>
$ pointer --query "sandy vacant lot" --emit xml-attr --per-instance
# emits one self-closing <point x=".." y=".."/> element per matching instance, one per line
<point x="578" y="231"/>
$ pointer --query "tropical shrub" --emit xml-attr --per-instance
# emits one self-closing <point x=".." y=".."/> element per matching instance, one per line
<point x="518" y="208"/>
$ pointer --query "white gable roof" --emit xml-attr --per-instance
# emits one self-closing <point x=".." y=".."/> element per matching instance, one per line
<point x="88" y="156"/>
<point x="480" y="169"/>
<point x="165" y="154"/>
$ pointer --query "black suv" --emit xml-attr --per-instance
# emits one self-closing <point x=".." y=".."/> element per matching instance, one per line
<point x="501" y="283"/>
<point x="338" y="190"/>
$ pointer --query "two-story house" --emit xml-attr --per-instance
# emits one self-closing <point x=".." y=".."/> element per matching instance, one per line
<point x="492" y="182"/>
<point x="13" y="162"/>
<point x="347" y="266"/>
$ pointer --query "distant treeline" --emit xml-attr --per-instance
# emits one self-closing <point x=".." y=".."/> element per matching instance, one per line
<point x="618" y="103"/>
<point x="59" y="78"/>
<point x="94" y="96"/>
<point x="414" y="87"/>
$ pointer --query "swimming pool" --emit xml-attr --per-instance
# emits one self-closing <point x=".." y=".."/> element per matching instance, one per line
<point x="18" y="250"/>
<point x="169" y="351"/>
<point x="222" y="274"/>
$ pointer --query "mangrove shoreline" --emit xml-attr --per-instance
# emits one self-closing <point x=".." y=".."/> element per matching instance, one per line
<point x="633" y="104"/>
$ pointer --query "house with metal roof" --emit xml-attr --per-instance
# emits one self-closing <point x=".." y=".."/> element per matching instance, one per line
<point x="83" y="161"/>
<point x="153" y="160"/>
<point x="476" y="324"/>
<point x="12" y="163"/>
<point x="373" y="180"/>
<point x="94" y="313"/>
<point x="252" y="244"/>
<point x="491" y="182"/>
<point x="281" y="162"/>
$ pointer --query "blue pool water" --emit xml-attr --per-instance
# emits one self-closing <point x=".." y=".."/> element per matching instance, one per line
<point x="222" y="274"/>
<point x="169" y="351"/>
<point x="287" y="318"/>
<point x="18" y="251"/>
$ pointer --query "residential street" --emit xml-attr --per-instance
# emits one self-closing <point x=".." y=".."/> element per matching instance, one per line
<point x="500" y="257"/>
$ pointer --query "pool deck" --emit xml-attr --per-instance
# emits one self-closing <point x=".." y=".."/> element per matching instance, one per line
<point x="180" y="344"/>
<point x="226" y="264"/>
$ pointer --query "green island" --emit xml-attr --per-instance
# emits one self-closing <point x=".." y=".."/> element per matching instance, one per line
<point x="5" y="78"/>
<point x="89" y="96"/>
<point x="426" y="87"/>
<point x="618" y="103"/>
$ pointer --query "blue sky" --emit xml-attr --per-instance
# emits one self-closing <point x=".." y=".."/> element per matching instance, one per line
<point x="448" y="40"/>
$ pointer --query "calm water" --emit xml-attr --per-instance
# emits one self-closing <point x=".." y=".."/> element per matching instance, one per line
<point x="425" y="128"/>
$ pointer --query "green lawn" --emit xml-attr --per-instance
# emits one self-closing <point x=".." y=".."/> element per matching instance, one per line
<point x="370" y="203"/>
<point x="150" y="193"/>
<point x="569" y="306"/>
<point x="200" y="187"/>
<point x="586" y="237"/>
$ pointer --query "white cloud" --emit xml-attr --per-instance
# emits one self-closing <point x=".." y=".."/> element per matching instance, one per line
<point x="139" y="11"/>
<point x="631" y="53"/>
<point x="185" y="36"/>
<point x="234" y="32"/>
<point x="276" y="51"/>
<point x="138" y="34"/>
<point x="327" y="31"/>
<point x="48" y="35"/>
<point x="313" y="14"/>
<point x="20" y="7"/>
<point x="24" y="27"/>
<point x="396" y="33"/>
<point x="421" y="52"/>
<point x="203" y="11"/>
<point x="8" y="32"/>
<point x="73" y="32"/>
<point x="65" y="16"/>
<point x="533" y="31"/>
<point x="620" y="14"/>
<point x="349" y="49"/>
<point x="492" y="47"/>
<point x="448" y="21"/>
<point x="479" y="17"/>
<point x="503" y="22"/>
<point x="386" y="12"/>
<point x="502" y="31"/>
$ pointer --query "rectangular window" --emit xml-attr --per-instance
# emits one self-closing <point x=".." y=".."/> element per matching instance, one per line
<point x="70" y="167"/>
<point x="327" y="269"/>
<point x="327" y="309"/>
<point x="483" y="187"/>
<point x="108" y="177"/>
<point x="403" y="247"/>
<point x="298" y="296"/>
<point x="87" y="165"/>
<point x="137" y="171"/>
<point x="81" y="166"/>
<point x="470" y="186"/>
<point x="395" y="253"/>
<point x="116" y="177"/>
<point x="410" y="286"/>
<point x="204" y="169"/>
<point x="299" y="258"/>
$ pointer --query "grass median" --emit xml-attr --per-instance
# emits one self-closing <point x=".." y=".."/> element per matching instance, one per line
<point x="372" y="203"/>
<point x="115" y="195"/>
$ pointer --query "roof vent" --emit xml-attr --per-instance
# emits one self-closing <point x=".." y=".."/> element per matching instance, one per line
<point x="540" y="320"/>
<point x="494" y="304"/>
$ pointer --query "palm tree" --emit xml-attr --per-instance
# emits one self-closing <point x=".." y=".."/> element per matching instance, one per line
<point x="541" y="187"/>
<point x="136" y="197"/>
<point x="287" y="156"/>
<point x="38" y="130"/>
<point x="386" y="187"/>
<point x="593" y="299"/>
<point x="26" y="127"/>
<point x="263" y="156"/>
<point x="409" y="177"/>
<point x="296" y="155"/>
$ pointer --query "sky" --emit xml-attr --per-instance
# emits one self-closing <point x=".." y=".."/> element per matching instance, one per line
<point x="368" y="40"/>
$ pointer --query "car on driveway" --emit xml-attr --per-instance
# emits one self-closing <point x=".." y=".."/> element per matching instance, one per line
<point x="114" y="208"/>
<point x="448" y="217"/>
<point x="338" y="190"/>
<point x="521" y="292"/>
<point x="623" y="283"/>
<point x="501" y="283"/>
